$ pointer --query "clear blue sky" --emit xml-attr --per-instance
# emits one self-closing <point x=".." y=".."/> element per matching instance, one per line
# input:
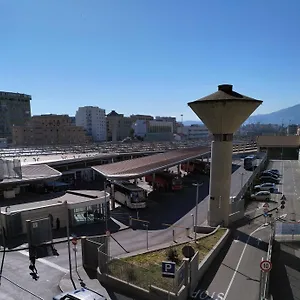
<point x="151" y="57"/>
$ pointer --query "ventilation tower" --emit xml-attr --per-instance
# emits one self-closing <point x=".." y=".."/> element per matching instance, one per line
<point x="223" y="112"/>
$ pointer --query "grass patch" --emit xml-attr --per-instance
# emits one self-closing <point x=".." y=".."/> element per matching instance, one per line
<point x="145" y="269"/>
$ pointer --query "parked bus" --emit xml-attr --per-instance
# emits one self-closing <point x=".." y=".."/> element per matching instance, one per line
<point x="196" y="166"/>
<point x="128" y="194"/>
<point x="250" y="162"/>
<point x="165" y="181"/>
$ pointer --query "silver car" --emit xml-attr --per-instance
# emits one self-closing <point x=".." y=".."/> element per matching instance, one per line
<point x="270" y="187"/>
<point x="80" y="294"/>
<point x="261" y="196"/>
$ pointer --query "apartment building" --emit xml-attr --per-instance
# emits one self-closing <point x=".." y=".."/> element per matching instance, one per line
<point x="168" y="119"/>
<point x="49" y="130"/>
<point x="135" y="118"/>
<point x="118" y="127"/>
<point x="193" y="132"/>
<point x="93" y="120"/>
<point x="14" y="110"/>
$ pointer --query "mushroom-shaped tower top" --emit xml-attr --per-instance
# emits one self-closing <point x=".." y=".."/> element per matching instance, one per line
<point x="224" y="111"/>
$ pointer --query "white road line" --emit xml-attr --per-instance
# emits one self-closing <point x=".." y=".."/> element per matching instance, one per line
<point x="46" y="262"/>
<point x="240" y="260"/>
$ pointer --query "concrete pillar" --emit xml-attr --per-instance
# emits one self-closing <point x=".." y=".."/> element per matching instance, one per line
<point x="220" y="180"/>
<point x="153" y="180"/>
<point x="112" y="197"/>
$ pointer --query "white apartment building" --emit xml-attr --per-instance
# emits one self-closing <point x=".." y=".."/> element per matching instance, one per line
<point x="93" y="120"/>
<point x="193" y="132"/>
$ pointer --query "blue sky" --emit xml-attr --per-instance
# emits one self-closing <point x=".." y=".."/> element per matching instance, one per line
<point x="150" y="57"/>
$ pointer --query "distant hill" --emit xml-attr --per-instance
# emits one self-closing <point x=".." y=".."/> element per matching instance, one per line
<point x="188" y="123"/>
<point x="290" y="115"/>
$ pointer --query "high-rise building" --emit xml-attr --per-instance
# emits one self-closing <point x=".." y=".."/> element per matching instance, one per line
<point x="93" y="120"/>
<point x="49" y="130"/>
<point x="14" y="110"/>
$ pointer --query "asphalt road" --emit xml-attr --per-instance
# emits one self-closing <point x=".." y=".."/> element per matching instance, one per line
<point x="285" y="275"/>
<point x="176" y="209"/>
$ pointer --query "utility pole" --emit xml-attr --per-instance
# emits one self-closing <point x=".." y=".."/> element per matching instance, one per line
<point x="69" y="247"/>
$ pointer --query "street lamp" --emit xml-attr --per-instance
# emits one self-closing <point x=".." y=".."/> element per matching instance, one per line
<point x="196" y="212"/>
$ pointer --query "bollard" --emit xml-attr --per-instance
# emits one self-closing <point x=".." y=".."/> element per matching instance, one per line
<point x="174" y="235"/>
<point x="130" y="221"/>
<point x="187" y="231"/>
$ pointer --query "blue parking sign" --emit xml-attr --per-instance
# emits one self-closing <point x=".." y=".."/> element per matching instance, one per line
<point x="168" y="269"/>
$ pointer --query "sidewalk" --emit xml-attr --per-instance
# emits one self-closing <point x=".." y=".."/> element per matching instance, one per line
<point x="65" y="284"/>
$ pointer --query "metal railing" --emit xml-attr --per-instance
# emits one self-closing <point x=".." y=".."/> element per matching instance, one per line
<point x="264" y="293"/>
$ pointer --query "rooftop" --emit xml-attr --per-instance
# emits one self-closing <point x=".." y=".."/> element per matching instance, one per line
<point x="225" y="92"/>
<point x="74" y="199"/>
<point x="32" y="173"/>
<point x="139" y="167"/>
<point x="278" y="141"/>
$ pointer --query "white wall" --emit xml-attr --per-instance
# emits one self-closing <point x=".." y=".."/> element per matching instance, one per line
<point x="140" y="128"/>
<point x="93" y="120"/>
<point x="193" y="131"/>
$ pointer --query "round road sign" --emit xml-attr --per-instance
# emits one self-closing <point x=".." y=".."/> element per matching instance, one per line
<point x="266" y="209"/>
<point x="266" y="266"/>
<point x="74" y="241"/>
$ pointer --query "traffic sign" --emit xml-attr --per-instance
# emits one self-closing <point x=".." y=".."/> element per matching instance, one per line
<point x="266" y="266"/>
<point x="266" y="210"/>
<point x="168" y="269"/>
<point x="282" y="202"/>
<point x="283" y="198"/>
<point x="266" y="205"/>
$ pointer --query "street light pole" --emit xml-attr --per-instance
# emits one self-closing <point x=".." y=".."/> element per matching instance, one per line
<point x="196" y="212"/>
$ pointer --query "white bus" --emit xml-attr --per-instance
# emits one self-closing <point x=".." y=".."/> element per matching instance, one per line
<point x="128" y="194"/>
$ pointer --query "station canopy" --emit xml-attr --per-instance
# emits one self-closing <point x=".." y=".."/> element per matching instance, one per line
<point x="139" y="167"/>
<point x="32" y="173"/>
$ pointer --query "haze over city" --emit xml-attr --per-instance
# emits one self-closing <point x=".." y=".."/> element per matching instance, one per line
<point x="148" y="57"/>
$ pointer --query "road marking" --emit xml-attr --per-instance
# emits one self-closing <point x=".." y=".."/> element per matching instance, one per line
<point x="46" y="262"/>
<point x="240" y="260"/>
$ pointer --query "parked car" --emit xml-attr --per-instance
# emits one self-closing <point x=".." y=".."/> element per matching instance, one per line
<point x="80" y="294"/>
<point x="274" y="171"/>
<point x="269" y="173"/>
<point x="261" y="196"/>
<point x="268" y="179"/>
<point x="270" y="187"/>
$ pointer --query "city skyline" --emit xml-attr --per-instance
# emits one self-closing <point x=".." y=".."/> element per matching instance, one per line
<point x="148" y="57"/>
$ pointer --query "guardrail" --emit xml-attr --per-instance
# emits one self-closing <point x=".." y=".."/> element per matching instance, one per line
<point x="265" y="276"/>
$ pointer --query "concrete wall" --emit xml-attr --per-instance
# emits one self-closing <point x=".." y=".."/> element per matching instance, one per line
<point x="90" y="251"/>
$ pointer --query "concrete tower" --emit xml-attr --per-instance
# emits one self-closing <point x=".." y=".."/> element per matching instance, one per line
<point x="222" y="112"/>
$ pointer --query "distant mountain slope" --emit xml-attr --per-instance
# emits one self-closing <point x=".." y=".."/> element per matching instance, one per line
<point x="188" y="123"/>
<point x="290" y="115"/>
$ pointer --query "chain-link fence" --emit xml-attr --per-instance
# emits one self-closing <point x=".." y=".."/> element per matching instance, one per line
<point x="131" y="273"/>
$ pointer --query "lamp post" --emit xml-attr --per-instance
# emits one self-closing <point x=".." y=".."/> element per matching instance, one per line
<point x="196" y="212"/>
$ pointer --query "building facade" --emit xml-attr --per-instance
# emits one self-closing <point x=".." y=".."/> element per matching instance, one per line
<point x="292" y="129"/>
<point x="93" y="120"/>
<point x="118" y="127"/>
<point x="193" y="132"/>
<point x="168" y="119"/>
<point x="49" y="130"/>
<point x="14" y="110"/>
